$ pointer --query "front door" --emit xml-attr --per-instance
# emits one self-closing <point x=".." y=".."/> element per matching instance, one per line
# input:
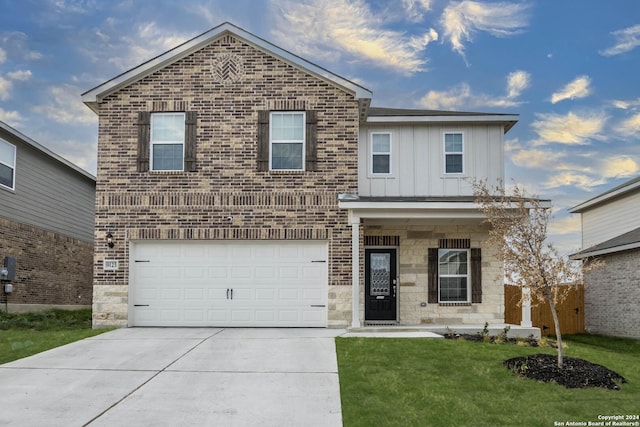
<point x="380" y="284"/>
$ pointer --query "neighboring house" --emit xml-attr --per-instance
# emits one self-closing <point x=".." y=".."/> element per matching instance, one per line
<point x="241" y="185"/>
<point x="46" y="223"/>
<point x="611" y="232"/>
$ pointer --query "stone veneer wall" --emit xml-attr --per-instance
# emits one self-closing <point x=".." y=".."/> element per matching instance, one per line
<point x="194" y="205"/>
<point x="413" y="272"/>
<point x="51" y="269"/>
<point x="612" y="296"/>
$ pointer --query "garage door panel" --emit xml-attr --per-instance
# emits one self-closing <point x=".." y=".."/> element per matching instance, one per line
<point x="274" y="283"/>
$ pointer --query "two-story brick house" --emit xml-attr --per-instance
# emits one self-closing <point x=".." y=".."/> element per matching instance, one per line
<point x="241" y="185"/>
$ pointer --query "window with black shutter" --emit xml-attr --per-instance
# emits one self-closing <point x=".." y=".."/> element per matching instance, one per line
<point x="454" y="273"/>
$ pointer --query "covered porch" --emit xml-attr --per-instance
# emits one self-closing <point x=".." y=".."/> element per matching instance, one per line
<point x="422" y="264"/>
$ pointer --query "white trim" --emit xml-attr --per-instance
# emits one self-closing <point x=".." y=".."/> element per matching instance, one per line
<point x="354" y="220"/>
<point x="303" y="142"/>
<point x="605" y="251"/>
<point x="373" y="174"/>
<point x="604" y="197"/>
<point x="442" y="119"/>
<point x="94" y="96"/>
<point x="13" y="167"/>
<point x="152" y="142"/>
<point x="461" y="153"/>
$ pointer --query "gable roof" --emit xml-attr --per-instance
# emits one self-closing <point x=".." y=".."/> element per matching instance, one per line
<point x="93" y="96"/>
<point x="397" y="115"/>
<point x="25" y="139"/>
<point x="624" y="242"/>
<point x="619" y="191"/>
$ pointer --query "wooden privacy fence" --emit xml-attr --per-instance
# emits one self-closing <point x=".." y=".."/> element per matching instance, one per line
<point x="570" y="311"/>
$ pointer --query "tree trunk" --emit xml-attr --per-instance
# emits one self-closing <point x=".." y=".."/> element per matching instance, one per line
<point x="556" y="322"/>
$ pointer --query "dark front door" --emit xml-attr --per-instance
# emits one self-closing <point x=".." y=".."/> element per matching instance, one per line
<point x="380" y="284"/>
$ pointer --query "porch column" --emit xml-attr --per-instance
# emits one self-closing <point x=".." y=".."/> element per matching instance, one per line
<point x="526" y="308"/>
<point x="354" y="220"/>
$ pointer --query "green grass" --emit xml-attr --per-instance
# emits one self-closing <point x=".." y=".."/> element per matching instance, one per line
<point x="435" y="382"/>
<point x="24" y="334"/>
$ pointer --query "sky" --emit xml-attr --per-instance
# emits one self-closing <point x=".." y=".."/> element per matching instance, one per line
<point x="569" y="68"/>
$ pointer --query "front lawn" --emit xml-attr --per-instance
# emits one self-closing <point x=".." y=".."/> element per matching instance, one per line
<point x="436" y="382"/>
<point x="22" y="335"/>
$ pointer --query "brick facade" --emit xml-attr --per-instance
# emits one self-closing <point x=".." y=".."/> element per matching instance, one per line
<point x="612" y="294"/>
<point x="51" y="269"/>
<point x="136" y="205"/>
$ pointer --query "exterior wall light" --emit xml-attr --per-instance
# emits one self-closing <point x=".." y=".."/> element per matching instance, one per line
<point x="110" y="239"/>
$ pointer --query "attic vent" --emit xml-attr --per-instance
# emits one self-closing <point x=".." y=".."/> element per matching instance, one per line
<point x="227" y="68"/>
<point x="382" y="240"/>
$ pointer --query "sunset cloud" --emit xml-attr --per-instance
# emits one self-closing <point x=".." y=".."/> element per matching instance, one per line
<point x="626" y="39"/>
<point x="572" y="128"/>
<point x="579" y="88"/>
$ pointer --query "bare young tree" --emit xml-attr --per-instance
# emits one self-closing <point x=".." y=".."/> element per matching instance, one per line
<point x="519" y="233"/>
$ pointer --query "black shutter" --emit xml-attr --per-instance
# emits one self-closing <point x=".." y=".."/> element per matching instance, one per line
<point x="263" y="141"/>
<point x="311" y="154"/>
<point x="476" y="275"/>
<point x="144" y="128"/>
<point x="190" y="123"/>
<point x="432" y="264"/>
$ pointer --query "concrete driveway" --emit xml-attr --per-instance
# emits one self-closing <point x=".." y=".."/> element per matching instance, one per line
<point x="178" y="377"/>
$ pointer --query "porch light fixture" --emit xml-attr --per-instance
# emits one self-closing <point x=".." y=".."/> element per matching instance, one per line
<point x="110" y="239"/>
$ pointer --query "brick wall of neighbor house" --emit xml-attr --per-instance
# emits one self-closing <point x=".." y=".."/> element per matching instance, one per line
<point x="194" y="205"/>
<point x="413" y="271"/>
<point x="51" y="269"/>
<point x="612" y="295"/>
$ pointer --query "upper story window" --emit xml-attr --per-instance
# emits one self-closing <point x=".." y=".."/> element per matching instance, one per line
<point x="287" y="140"/>
<point x="7" y="165"/>
<point x="167" y="141"/>
<point x="453" y="153"/>
<point x="381" y="153"/>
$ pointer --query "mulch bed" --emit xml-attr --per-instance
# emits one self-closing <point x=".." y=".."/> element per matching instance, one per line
<point x="575" y="373"/>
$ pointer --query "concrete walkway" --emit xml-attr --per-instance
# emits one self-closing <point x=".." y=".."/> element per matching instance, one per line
<point x="178" y="377"/>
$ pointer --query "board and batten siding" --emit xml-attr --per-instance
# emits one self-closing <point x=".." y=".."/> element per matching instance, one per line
<point x="610" y="220"/>
<point x="48" y="194"/>
<point x="417" y="160"/>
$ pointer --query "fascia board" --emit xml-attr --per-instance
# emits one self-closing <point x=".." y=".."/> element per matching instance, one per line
<point x="605" y="251"/>
<point x="604" y="197"/>
<point x="442" y="119"/>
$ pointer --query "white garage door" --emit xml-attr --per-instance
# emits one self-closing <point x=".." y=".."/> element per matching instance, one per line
<point x="224" y="283"/>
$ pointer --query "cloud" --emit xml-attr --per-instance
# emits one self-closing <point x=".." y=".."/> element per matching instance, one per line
<point x="22" y="75"/>
<point x="572" y="179"/>
<point x="461" y="20"/>
<point x="5" y="88"/>
<point x="579" y="88"/>
<point x="630" y="126"/>
<point x="517" y="82"/>
<point x="619" y="167"/>
<point x="572" y="128"/>
<point x="65" y="106"/>
<point x="626" y="39"/>
<point x="415" y="9"/>
<point x="625" y="105"/>
<point x="567" y="225"/>
<point x="3" y="55"/>
<point x="326" y="30"/>
<point x="10" y="117"/>
<point x="461" y="96"/>
<point x="535" y="158"/>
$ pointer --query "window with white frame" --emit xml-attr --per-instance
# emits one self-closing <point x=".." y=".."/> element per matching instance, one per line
<point x="453" y="153"/>
<point x="287" y="140"/>
<point x="7" y="165"/>
<point x="381" y="153"/>
<point x="453" y="275"/>
<point x="167" y="141"/>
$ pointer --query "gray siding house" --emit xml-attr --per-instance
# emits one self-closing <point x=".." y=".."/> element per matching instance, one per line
<point x="46" y="223"/>
<point x="611" y="232"/>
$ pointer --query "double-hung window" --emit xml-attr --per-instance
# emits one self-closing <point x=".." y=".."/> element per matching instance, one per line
<point x="167" y="141"/>
<point x="381" y="153"/>
<point x="453" y="269"/>
<point x="287" y="139"/>
<point x="453" y="153"/>
<point x="7" y="165"/>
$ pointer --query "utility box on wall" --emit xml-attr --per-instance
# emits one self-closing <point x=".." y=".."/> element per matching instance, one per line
<point x="10" y="267"/>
